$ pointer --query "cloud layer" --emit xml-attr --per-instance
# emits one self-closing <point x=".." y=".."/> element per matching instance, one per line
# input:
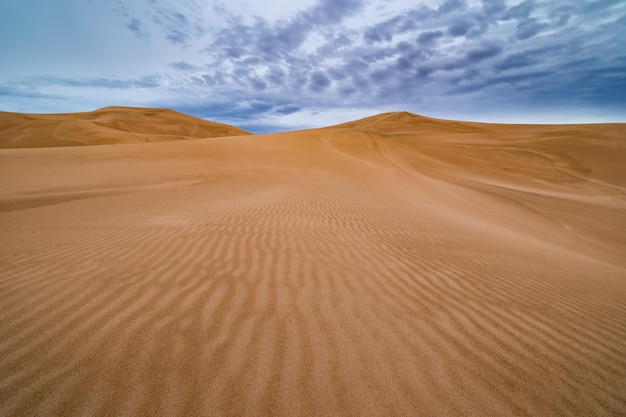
<point x="308" y="63"/>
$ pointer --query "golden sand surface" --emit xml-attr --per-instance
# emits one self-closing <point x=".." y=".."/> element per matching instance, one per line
<point x="393" y="266"/>
<point x="109" y="125"/>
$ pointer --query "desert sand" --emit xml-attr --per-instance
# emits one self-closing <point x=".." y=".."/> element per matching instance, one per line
<point x="392" y="266"/>
<point x="109" y="125"/>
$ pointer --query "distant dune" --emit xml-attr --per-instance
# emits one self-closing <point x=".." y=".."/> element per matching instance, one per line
<point x="392" y="266"/>
<point x="395" y="122"/>
<point x="110" y="125"/>
<point x="529" y="151"/>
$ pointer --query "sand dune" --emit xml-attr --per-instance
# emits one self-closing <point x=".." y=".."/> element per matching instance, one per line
<point x="109" y="125"/>
<point x="394" y="266"/>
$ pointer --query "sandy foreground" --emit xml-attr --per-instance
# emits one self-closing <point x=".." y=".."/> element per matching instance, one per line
<point x="395" y="266"/>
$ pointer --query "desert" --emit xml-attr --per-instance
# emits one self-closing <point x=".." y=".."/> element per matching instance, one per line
<point x="396" y="265"/>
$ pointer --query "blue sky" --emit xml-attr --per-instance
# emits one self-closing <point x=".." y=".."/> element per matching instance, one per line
<point x="285" y="64"/>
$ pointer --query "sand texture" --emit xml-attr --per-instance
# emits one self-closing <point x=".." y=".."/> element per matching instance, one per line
<point x="393" y="266"/>
<point x="109" y="125"/>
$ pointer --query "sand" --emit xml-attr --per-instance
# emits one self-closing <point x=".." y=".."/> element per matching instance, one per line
<point x="109" y="125"/>
<point x="393" y="266"/>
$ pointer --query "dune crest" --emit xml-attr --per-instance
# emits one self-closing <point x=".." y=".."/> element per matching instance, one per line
<point x="109" y="125"/>
<point x="393" y="266"/>
<point x="398" y="122"/>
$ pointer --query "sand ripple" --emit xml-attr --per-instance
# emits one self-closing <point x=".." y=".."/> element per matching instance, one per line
<point x="332" y="272"/>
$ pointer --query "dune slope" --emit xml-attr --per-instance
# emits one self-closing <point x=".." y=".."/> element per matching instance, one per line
<point x="109" y="125"/>
<point x="396" y="267"/>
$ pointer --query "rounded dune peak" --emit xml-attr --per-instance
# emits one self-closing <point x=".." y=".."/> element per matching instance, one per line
<point x="402" y="121"/>
<point x="107" y="125"/>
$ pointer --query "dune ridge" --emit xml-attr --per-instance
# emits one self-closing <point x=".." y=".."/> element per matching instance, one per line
<point x="109" y="125"/>
<point x="397" y="266"/>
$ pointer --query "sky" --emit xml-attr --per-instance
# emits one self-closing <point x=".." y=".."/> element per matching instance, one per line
<point x="276" y="65"/>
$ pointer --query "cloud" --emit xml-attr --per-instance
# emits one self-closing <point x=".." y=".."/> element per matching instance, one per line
<point x="385" y="31"/>
<point x="594" y="6"/>
<point x="278" y="41"/>
<point x="520" y="11"/>
<point x="459" y="28"/>
<point x="13" y="90"/>
<point x="396" y="60"/>
<point x="528" y="28"/>
<point x="183" y="66"/>
<point x="377" y="34"/>
<point x="319" y="82"/>
<point x="117" y="6"/>
<point x="177" y="36"/>
<point x="176" y="24"/>
<point x="449" y="6"/>
<point x="288" y="109"/>
<point x="515" y="79"/>
<point x="517" y="60"/>
<point x="258" y="84"/>
<point x="135" y="26"/>
<point x="484" y="52"/>
<point x="180" y="25"/>
<point x="429" y="38"/>
<point x="493" y="7"/>
<point x="328" y="12"/>
<point x="149" y="81"/>
<point x="238" y="62"/>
